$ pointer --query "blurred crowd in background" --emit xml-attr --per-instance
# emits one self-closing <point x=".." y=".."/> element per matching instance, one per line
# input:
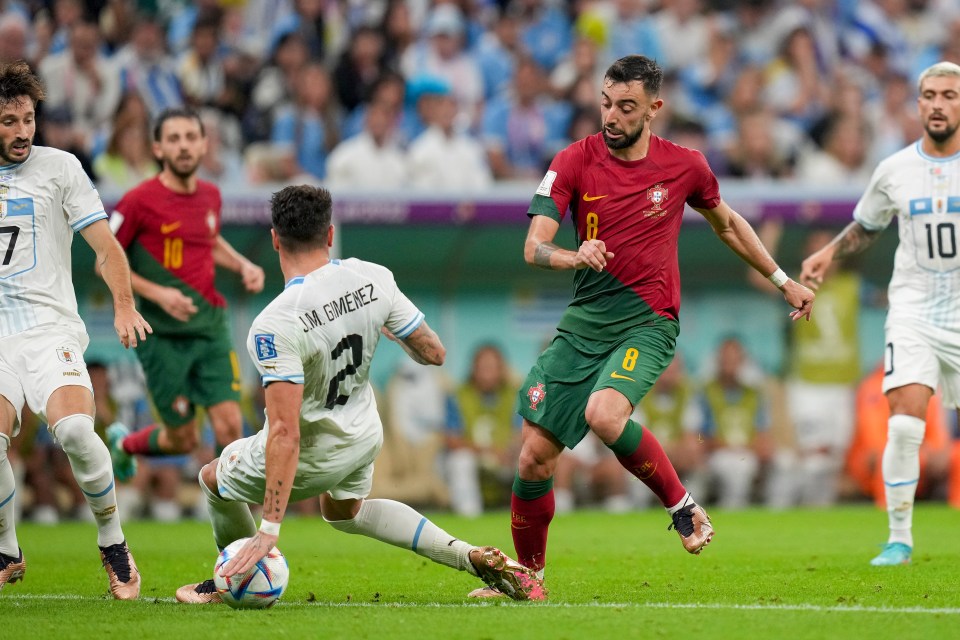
<point x="454" y="94"/>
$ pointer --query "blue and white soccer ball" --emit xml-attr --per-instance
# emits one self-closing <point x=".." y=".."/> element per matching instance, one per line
<point x="258" y="588"/>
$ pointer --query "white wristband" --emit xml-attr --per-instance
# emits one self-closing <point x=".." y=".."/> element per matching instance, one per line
<point x="778" y="278"/>
<point x="270" y="528"/>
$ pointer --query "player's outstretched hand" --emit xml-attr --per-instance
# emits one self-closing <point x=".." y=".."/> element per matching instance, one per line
<point x="800" y="298"/>
<point x="130" y="325"/>
<point x="255" y="549"/>
<point x="593" y="254"/>
<point x="252" y="277"/>
<point x="814" y="268"/>
<point x="176" y="303"/>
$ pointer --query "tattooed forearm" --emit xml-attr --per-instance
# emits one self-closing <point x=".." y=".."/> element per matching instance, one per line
<point x="853" y="239"/>
<point x="541" y="255"/>
<point x="271" y="506"/>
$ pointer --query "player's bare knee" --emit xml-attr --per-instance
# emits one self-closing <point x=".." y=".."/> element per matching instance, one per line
<point x="337" y="510"/>
<point x="208" y="476"/>
<point x="536" y="465"/>
<point x="184" y="439"/>
<point x="605" y="423"/>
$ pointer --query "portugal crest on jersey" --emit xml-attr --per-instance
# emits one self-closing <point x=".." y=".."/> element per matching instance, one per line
<point x="536" y="395"/>
<point x="657" y="195"/>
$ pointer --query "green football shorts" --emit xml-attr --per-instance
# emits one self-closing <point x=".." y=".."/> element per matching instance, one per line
<point x="555" y="393"/>
<point x="183" y="372"/>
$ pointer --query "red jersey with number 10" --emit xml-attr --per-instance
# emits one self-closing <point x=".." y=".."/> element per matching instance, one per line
<point x="169" y="238"/>
<point x="636" y="209"/>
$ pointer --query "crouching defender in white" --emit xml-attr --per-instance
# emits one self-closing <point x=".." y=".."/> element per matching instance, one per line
<point x="313" y="345"/>
<point x="44" y="198"/>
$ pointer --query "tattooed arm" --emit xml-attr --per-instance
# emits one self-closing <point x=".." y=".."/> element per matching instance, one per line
<point x="853" y="239"/>
<point x="283" y="400"/>
<point x="423" y="345"/>
<point x="539" y="249"/>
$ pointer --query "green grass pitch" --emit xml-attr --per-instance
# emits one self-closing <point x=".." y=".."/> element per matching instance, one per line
<point x="796" y="574"/>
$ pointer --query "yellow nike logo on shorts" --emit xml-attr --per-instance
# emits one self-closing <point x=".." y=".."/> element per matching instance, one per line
<point x="617" y="376"/>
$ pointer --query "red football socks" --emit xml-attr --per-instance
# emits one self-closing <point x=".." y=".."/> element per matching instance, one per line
<point x="530" y="518"/>
<point x="640" y="453"/>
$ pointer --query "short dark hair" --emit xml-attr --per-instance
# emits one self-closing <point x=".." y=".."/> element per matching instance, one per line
<point x="637" y="68"/>
<point x="17" y="79"/>
<point x="175" y="112"/>
<point x="300" y="215"/>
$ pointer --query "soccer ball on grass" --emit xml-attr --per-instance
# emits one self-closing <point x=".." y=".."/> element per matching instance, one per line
<point x="258" y="588"/>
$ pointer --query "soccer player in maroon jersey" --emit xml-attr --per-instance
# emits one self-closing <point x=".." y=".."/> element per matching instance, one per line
<point x="170" y="228"/>
<point x="626" y="190"/>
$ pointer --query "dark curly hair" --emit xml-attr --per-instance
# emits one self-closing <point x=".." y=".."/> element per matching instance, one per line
<point x="18" y="80"/>
<point x="637" y="68"/>
<point x="301" y="216"/>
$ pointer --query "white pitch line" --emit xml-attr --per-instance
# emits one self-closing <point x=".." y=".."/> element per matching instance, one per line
<point x="951" y="611"/>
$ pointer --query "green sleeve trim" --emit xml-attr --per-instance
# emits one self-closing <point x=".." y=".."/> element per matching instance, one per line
<point x="543" y="206"/>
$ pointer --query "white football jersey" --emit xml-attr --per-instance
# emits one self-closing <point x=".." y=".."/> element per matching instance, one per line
<point x="322" y="332"/>
<point x="43" y="201"/>
<point x="924" y="194"/>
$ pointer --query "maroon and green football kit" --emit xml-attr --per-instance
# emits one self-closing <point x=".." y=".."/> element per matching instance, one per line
<point x="169" y="238"/>
<point x="621" y="327"/>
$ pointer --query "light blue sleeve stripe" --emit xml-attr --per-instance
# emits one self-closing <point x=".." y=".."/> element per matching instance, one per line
<point x="265" y="380"/>
<point x="102" y="493"/>
<point x="410" y="327"/>
<point x="901" y="484"/>
<point x="88" y="220"/>
<point x="8" y="498"/>
<point x="416" y="536"/>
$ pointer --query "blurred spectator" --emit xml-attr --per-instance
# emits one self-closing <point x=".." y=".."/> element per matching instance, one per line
<point x="14" y="34"/>
<point x="66" y="13"/>
<point x="145" y="67"/>
<point x="201" y="66"/>
<point x="498" y="50"/>
<point x="128" y="159"/>
<point x="116" y="21"/>
<point x="309" y="21"/>
<point x="82" y="82"/>
<point x="689" y="31"/>
<point x="581" y="63"/>
<point x="735" y="428"/>
<point x="823" y="361"/>
<point x="878" y="24"/>
<point x="864" y="458"/>
<point x="392" y="91"/>
<point x="181" y="26"/>
<point x="545" y="30"/>
<point x="442" y="53"/>
<point x="359" y="67"/>
<point x="843" y="159"/>
<point x="309" y="127"/>
<point x="793" y="89"/>
<point x="60" y="133"/>
<point x="630" y="30"/>
<point x="441" y="158"/>
<point x="893" y="120"/>
<point x="672" y="411"/>
<point x="591" y="474"/>
<point x="275" y="86"/>
<point x="483" y="435"/>
<point x="398" y="32"/>
<point x="222" y="163"/>
<point x="523" y="130"/>
<point x="372" y="159"/>
<point x="756" y="153"/>
<point x="415" y="415"/>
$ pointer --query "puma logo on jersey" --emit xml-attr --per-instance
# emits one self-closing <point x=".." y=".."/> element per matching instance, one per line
<point x="588" y="198"/>
<point x="167" y="228"/>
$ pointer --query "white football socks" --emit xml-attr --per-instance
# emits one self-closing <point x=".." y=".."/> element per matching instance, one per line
<point x="93" y="471"/>
<point x="901" y="471"/>
<point x="402" y="526"/>
<point x="8" y="531"/>
<point x="231" y="520"/>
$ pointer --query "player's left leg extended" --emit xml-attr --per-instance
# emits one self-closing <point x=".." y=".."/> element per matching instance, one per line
<point x="402" y="526"/>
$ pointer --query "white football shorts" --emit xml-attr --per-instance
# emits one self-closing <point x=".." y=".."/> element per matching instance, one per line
<point x="918" y="353"/>
<point x="36" y="362"/>
<point x="326" y="464"/>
